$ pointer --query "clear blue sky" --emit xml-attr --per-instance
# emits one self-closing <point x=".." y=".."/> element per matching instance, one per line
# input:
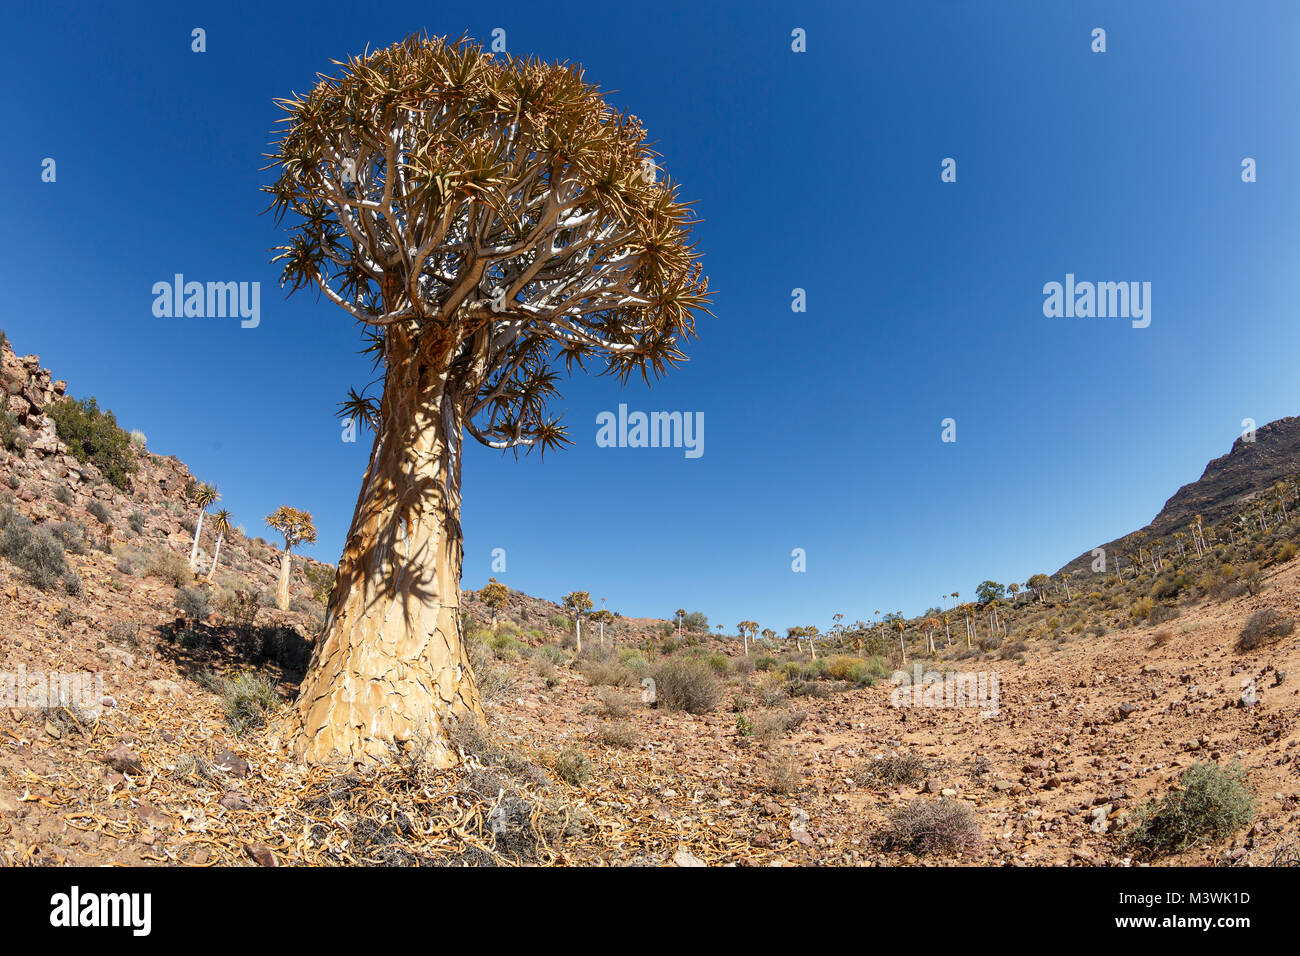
<point x="818" y="170"/>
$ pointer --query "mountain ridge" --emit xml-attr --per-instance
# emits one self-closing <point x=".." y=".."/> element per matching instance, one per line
<point x="1250" y="467"/>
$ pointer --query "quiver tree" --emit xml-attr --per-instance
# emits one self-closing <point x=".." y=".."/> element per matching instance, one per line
<point x="577" y="603"/>
<point x="297" y="528"/>
<point x="205" y="496"/>
<point x="485" y="219"/>
<point x="748" y="630"/>
<point x="222" y="521"/>
<point x="494" y="595"/>
<point x="603" y="617"/>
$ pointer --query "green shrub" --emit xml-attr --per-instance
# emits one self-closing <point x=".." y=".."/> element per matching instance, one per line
<point x="633" y="660"/>
<point x="72" y="534"/>
<point x="556" y="655"/>
<point x="34" y="550"/>
<point x="720" y="664"/>
<point x="193" y="602"/>
<point x="573" y="767"/>
<point x="1168" y="587"/>
<point x="99" y="512"/>
<point x="11" y="438"/>
<point x="247" y="699"/>
<point x="696" y="623"/>
<point x="856" y="670"/>
<point x="321" y="577"/>
<point x="1162" y="613"/>
<point x="94" y="436"/>
<point x="765" y="662"/>
<point x="1210" y="803"/>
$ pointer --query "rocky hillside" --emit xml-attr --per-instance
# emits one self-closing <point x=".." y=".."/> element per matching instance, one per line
<point x="1228" y="484"/>
<point x="138" y="524"/>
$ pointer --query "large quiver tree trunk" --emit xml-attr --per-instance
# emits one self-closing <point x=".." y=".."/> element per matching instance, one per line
<point x="390" y="666"/>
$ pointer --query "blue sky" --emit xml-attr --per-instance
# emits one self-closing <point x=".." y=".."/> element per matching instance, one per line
<point x="818" y="170"/>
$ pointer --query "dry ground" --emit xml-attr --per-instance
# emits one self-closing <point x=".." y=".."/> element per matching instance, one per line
<point x="1087" y="730"/>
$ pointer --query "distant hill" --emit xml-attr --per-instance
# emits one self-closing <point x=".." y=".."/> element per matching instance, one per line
<point x="1228" y="484"/>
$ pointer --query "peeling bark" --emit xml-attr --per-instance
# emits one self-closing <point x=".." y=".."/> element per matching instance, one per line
<point x="391" y="666"/>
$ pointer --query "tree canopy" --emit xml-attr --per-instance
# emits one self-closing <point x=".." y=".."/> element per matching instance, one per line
<point x="494" y="211"/>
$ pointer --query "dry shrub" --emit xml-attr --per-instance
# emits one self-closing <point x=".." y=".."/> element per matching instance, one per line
<point x="615" y="702"/>
<point x="1264" y="627"/>
<point x="781" y="771"/>
<point x="926" y="826"/>
<point x="493" y="678"/>
<point x="896" y="770"/>
<point x="688" y="685"/>
<point x="606" y="673"/>
<point x="170" y="568"/>
<point x="772" y="724"/>
<point x="619" y="734"/>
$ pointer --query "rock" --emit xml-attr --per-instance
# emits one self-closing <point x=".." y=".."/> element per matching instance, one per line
<point x="117" y="656"/>
<point x="262" y="854"/>
<point x="121" y="759"/>
<point x="801" y="836"/>
<point x="163" y="688"/>
<point x="1126" y="710"/>
<point x="234" y="800"/>
<point x="685" y="858"/>
<point x="153" y="817"/>
<point x="932" y="786"/>
<point x="231" y="763"/>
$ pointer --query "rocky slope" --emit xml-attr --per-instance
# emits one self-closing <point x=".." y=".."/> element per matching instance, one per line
<point x="1229" y="482"/>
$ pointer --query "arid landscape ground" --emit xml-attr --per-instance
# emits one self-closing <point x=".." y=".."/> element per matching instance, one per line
<point x="770" y="757"/>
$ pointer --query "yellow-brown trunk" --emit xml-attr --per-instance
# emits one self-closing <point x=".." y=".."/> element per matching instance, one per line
<point x="391" y="667"/>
